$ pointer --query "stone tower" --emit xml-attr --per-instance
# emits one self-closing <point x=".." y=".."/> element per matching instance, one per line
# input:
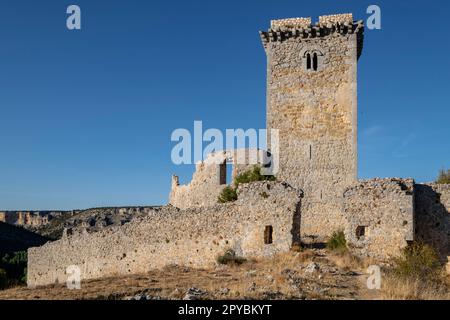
<point x="312" y="101"/>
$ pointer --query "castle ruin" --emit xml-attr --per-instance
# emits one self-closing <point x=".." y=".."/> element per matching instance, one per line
<point x="312" y="102"/>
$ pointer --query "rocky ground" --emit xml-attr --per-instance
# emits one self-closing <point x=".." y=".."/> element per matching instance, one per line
<point x="310" y="274"/>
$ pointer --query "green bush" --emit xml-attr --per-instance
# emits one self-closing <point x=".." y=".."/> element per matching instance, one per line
<point x="230" y="193"/>
<point x="444" y="177"/>
<point x="252" y="176"/>
<point x="418" y="261"/>
<point x="230" y="257"/>
<point x="337" y="241"/>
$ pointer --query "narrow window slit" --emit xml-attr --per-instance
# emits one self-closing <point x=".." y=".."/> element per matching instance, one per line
<point x="268" y="235"/>
<point x="315" y="62"/>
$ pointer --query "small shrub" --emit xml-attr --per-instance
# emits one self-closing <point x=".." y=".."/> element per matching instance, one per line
<point x="416" y="275"/>
<point x="417" y="261"/>
<point x="228" y="194"/>
<point x="252" y="176"/>
<point x="337" y="241"/>
<point x="230" y="257"/>
<point x="444" y="177"/>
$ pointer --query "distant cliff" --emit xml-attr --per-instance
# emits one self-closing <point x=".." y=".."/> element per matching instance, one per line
<point x="51" y="224"/>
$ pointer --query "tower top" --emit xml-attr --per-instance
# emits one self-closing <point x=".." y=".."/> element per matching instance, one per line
<point x="303" y="28"/>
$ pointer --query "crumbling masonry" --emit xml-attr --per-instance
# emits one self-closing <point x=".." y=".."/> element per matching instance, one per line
<point x="312" y="102"/>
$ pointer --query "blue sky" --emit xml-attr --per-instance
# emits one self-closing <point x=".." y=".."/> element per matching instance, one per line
<point x="87" y="115"/>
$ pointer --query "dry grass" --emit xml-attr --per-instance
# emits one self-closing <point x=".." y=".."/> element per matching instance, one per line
<point x="397" y="288"/>
<point x="347" y="261"/>
<point x="280" y="277"/>
<point x="417" y="274"/>
<point x="284" y="276"/>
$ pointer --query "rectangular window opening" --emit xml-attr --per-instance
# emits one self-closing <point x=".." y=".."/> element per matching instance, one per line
<point x="268" y="235"/>
<point x="361" y="232"/>
<point x="225" y="173"/>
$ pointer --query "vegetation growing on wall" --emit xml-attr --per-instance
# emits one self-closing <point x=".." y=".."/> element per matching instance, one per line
<point x="229" y="193"/>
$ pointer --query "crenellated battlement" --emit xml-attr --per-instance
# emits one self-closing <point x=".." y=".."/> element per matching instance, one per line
<point x="336" y="18"/>
<point x="290" y="23"/>
<point x="303" y="29"/>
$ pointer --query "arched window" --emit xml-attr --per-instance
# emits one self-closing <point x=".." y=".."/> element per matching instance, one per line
<point x="312" y="58"/>
<point x="315" y="62"/>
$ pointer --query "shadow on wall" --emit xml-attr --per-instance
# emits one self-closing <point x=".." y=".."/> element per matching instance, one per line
<point x="296" y="223"/>
<point x="432" y="204"/>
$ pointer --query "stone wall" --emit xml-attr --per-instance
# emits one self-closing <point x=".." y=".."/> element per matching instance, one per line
<point x="379" y="216"/>
<point x="433" y="216"/>
<point x="313" y="104"/>
<point x="209" y="178"/>
<point x="291" y="23"/>
<point x="336" y="18"/>
<point x="192" y="237"/>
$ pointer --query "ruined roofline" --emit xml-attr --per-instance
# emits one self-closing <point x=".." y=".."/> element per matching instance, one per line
<point x="303" y="28"/>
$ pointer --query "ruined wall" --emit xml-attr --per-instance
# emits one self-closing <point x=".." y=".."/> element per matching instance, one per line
<point x="433" y="216"/>
<point x="313" y="104"/>
<point x="379" y="216"/>
<point x="193" y="237"/>
<point x="209" y="178"/>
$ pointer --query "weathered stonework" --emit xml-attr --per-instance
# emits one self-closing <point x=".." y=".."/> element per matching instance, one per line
<point x="433" y="216"/>
<point x="193" y="237"/>
<point x="346" y="18"/>
<point x="311" y="100"/>
<point x="379" y="216"/>
<point x="290" y="23"/>
<point x="209" y="178"/>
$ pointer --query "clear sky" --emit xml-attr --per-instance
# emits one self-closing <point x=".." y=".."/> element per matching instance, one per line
<point x="87" y="115"/>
